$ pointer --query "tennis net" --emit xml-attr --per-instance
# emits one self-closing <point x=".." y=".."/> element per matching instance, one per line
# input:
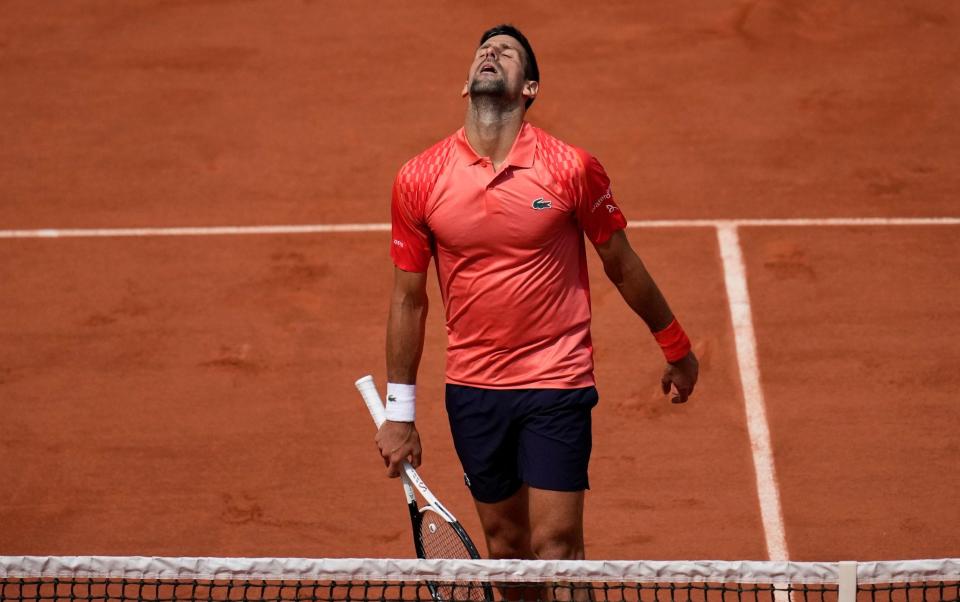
<point x="154" y="579"/>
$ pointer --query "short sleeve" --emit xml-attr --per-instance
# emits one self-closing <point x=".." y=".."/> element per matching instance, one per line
<point x="597" y="210"/>
<point x="410" y="246"/>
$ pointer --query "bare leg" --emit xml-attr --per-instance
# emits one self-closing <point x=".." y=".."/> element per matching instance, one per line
<point x="536" y="523"/>
<point x="506" y="526"/>
<point x="556" y="521"/>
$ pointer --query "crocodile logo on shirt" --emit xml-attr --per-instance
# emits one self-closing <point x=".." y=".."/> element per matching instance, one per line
<point x="540" y="204"/>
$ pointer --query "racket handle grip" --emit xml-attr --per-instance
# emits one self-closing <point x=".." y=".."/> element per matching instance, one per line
<point x="368" y="390"/>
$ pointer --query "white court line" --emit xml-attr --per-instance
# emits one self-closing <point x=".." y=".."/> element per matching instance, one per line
<point x="385" y="227"/>
<point x="735" y="277"/>
<point x="797" y="222"/>
<point x="193" y="231"/>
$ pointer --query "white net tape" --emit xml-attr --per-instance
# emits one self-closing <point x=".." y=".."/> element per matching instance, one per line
<point x="399" y="570"/>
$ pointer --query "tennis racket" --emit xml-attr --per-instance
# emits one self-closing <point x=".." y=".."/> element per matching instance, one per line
<point x="436" y="532"/>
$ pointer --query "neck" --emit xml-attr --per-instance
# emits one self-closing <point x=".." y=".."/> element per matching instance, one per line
<point x="491" y="128"/>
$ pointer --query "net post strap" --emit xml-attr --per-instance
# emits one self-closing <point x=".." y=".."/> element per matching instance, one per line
<point x="848" y="581"/>
<point x="408" y="570"/>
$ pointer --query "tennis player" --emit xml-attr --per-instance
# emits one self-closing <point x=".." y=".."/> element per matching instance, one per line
<point x="503" y="209"/>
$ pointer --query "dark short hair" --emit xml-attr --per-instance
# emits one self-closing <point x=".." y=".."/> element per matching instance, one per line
<point x="530" y="71"/>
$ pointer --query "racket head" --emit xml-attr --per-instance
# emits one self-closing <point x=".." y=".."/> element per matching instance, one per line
<point x="434" y="536"/>
<point x="437" y="537"/>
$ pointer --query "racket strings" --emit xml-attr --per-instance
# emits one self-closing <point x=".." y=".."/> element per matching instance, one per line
<point x="440" y="539"/>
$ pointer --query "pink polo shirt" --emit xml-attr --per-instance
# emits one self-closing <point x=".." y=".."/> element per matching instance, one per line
<point x="510" y="255"/>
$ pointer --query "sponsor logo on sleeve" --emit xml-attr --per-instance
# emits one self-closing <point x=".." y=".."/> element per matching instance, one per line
<point x="606" y="197"/>
<point x="540" y="204"/>
<point x="612" y="208"/>
<point x="399" y="243"/>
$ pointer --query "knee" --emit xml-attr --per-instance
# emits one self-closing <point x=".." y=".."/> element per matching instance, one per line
<point x="508" y="549"/>
<point x="505" y="540"/>
<point x="505" y="545"/>
<point x="558" y="544"/>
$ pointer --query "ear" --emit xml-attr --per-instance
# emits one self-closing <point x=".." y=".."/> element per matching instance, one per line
<point x="466" y="89"/>
<point x="531" y="89"/>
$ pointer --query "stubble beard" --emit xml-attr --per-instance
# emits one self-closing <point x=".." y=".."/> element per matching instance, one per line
<point x="488" y="91"/>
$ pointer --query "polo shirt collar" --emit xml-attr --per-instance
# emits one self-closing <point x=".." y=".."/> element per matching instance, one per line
<point x="520" y="155"/>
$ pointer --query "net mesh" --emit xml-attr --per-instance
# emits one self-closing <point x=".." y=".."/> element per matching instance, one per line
<point x="112" y="579"/>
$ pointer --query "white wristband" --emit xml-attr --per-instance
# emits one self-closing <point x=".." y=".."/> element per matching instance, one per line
<point x="401" y="402"/>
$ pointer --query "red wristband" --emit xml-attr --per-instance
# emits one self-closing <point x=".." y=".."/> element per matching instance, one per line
<point x="673" y="341"/>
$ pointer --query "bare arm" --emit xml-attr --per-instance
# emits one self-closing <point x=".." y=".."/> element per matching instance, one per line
<point x="406" y="326"/>
<point x="627" y="272"/>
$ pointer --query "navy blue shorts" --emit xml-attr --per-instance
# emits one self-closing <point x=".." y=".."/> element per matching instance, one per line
<point x="505" y="438"/>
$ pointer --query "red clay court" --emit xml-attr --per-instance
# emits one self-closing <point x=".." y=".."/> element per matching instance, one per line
<point x="194" y="269"/>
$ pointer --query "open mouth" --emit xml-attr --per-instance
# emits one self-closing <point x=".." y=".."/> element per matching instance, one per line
<point x="488" y="69"/>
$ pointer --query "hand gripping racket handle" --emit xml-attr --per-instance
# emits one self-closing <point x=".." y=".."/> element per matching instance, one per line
<point x="370" y="397"/>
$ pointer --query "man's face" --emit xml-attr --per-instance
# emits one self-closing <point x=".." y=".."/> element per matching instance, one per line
<point x="497" y="69"/>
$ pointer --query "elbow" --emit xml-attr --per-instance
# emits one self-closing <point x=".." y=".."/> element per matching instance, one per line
<point x="626" y="271"/>
<point x="614" y="269"/>
<point x="412" y="301"/>
<point x="615" y="275"/>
